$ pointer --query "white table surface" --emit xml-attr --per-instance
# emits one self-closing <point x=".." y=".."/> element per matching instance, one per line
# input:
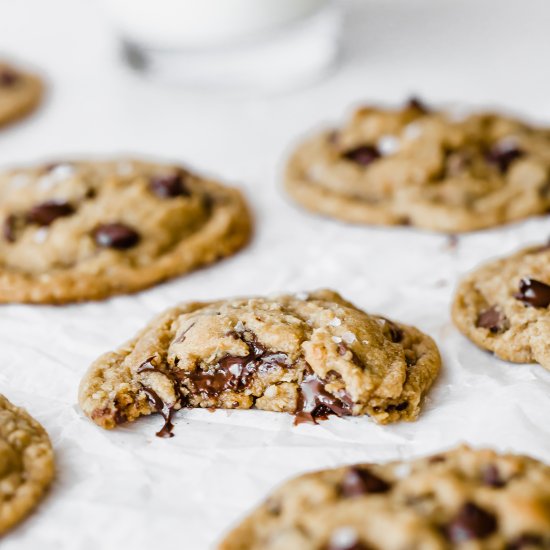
<point x="128" y="489"/>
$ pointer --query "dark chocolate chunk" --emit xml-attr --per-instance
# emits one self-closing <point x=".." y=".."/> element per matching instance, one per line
<point x="492" y="477"/>
<point x="167" y="186"/>
<point x="471" y="522"/>
<point x="395" y="333"/>
<point x="9" y="227"/>
<point x="115" y="235"/>
<point x="361" y="481"/>
<point x="533" y="293"/>
<point x="363" y="155"/>
<point x="158" y="404"/>
<point x="212" y="383"/>
<point x="8" y="77"/>
<point x="503" y="154"/>
<point x="120" y="417"/>
<point x="399" y="407"/>
<point x="492" y="319"/>
<point x="235" y="372"/>
<point x="165" y="410"/>
<point x="47" y="212"/>
<point x="316" y="403"/>
<point x="342" y="349"/>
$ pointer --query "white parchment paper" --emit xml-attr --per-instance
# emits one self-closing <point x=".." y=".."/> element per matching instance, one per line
<point x="129" y="489"/>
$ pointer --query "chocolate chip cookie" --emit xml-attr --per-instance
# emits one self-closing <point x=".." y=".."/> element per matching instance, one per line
<point x="469" y="499"/>
<point x="77" y="231"/>
<point x="26" y="464"/>
<point x="312" y="355"/>
<point x="426" y="168"/>
<point x="503" y="306"/>
<point x="20" y="93"/>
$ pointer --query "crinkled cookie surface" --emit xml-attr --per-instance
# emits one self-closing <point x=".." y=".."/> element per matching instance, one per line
<point x="26" y="464"/>
<point x="78" y="231"/>
<point x="463" y="499"/>
<point x="503" y="306"/>
<point x="311" y="355"/>
<point x="425" y="168"/>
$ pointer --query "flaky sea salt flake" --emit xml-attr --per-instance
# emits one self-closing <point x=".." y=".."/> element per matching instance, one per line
<point x="349" y="337"/>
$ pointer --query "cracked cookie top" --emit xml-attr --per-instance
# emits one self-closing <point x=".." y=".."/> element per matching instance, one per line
<point x="20" y="93"/>
<point x="86" y="230"/>
<point x="503" y="306"/>
<point x="464" y="499"/>
<point x="26" y="464"/>
<point x="312" y="355"/>
<point x="426" y="168"/>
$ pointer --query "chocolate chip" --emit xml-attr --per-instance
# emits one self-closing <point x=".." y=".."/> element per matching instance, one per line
<point x="120" y="417"/>
<point x="213" y="382"/>
<point x="342" y="349"/>
<point x="416" y="104"/>
<point x="527" y="540"/>
<point x="361" y="481"/>
<point x="471" y="522"/>
<point x="165" y="410"/>
<point x="363" y="155"/>
<point x="167" y="186"/>
<point x="491" y="476"/>
<point x="47" y="212"/>
<point x="533" y="293"/>
<point x="236" y="372"/>
<point x="50" y="167"/>
<point x="8" y="77"/>
<point x="492" y="319"/>
<point x="9" y="227"/>
<point x="399" y="407"/>
<point x="115" y="235"/>
<point x="503" y="154"/>
<point x="316" y="403"/>
<point x="395" y="333"/>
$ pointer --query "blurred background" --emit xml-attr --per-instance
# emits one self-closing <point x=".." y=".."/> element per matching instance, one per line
<point x="479" y="51"/>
